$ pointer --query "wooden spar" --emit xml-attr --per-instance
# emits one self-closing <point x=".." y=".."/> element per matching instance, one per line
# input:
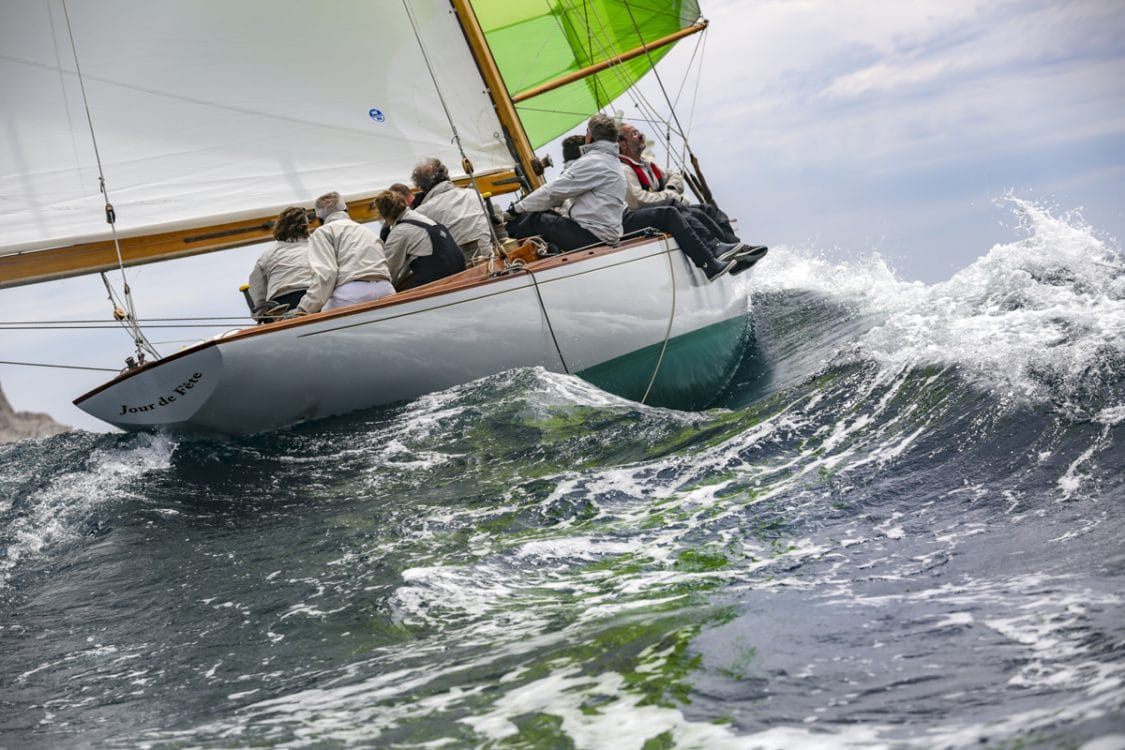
<point x="497" y="91"/>
<point x="590" y="70"/>
<point x="34" y="266"/>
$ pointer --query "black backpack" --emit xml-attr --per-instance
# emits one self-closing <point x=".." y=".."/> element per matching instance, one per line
<point x="446" y="258"/>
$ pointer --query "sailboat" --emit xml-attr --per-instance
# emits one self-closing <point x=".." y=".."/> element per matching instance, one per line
<point x="154" y="130"/>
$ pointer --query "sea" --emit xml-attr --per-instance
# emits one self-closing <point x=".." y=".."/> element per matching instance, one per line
<point x="900" y="526"/>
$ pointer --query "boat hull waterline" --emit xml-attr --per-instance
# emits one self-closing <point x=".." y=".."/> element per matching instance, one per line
<point x="608" y="311"/>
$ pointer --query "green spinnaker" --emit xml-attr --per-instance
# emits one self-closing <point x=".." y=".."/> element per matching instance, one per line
<point x="538" y="42"/>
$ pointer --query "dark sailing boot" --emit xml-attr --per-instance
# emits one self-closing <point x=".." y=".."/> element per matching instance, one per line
<point x="716" y="268"/>
<point x="749" y="258"/>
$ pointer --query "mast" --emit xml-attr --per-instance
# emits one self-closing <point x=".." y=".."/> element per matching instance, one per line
<point x="514" y="132"/>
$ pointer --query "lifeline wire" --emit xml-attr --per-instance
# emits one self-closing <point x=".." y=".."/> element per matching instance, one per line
<point x="60" y="367"/>
<point x="40" y="329"/>
<point x="47" y="324"/>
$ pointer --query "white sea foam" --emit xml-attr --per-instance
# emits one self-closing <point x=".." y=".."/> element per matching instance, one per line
<point x="57" y="511"/>
<point x="1046" y="306"/>
<point x="623" y="724"/>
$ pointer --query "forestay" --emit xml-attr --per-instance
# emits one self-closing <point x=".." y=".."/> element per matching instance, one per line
<point x="213" y="109"/>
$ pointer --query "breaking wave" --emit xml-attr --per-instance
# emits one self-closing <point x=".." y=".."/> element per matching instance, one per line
<point x="905" y="510"/>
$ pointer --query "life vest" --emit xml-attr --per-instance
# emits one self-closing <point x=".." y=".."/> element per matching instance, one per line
<point x="642" y="175"/>
<point x="446" y="258"/>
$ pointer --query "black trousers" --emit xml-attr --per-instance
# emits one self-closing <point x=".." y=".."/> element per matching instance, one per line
<point x="561" y="231"/>
<point x="709" y="223"/>
<point x="717" y="222"/>
<point x="675" y="222"/>
<point x="292" y="298"/>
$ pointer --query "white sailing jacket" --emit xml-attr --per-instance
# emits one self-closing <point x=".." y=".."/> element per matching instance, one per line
<point x="637" y="196"/>
<point x="460" y="211"/>
<point x="406" y="242"/>
<point x="596" y="188"/>
<point x="341" y="251"/>
<point x="281" y="269"/>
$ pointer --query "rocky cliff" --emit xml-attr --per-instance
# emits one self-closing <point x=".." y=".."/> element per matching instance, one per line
<point x="20" y="425"/>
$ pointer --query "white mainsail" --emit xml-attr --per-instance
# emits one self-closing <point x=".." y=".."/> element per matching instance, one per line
<point x="214" y="109"/>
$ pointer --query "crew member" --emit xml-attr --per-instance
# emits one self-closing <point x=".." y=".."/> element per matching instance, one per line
<point x="346" y="259"/>
<point x="593" y="184"/>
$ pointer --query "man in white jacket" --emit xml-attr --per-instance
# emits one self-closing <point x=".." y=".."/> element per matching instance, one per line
<point x="595" y="187"/>
<point x="346" y="258"/>
<point x="648" y="190"/>
<point x="460" y="210"/>
<point x="647" y="185"/>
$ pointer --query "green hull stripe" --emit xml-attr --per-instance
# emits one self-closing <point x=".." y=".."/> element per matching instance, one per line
<point x="696" y="367"/>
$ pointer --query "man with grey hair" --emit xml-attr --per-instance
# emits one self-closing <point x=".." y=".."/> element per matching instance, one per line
<point x="458" y="209"/>
<point x="346" y="258"/>
<point x="594" y="188"/>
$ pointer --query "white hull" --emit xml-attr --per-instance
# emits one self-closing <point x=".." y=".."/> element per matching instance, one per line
<point x="602" y="306"/>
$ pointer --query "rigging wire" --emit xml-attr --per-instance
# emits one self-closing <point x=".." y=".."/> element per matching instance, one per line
<point x="683" y="157"/>
<point x="607" y="49"/>
<point x="702" y="49"/>
<point x="129" y="318"/>
<point x="466" y="164"/>
<point x="645" y="106"/>
<point x="655" y="72"/>
<point x="694" y="176"/>
<point x="699" y="43"/>
<point x="639" y="99"/>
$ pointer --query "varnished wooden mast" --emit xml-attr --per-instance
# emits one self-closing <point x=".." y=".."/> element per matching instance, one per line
<point x="497" y="91"/>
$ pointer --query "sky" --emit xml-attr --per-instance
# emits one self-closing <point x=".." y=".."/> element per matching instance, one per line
<point x="840" y="127"/>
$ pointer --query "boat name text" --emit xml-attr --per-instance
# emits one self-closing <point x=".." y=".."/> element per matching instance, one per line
<point x="167" y="398"/>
